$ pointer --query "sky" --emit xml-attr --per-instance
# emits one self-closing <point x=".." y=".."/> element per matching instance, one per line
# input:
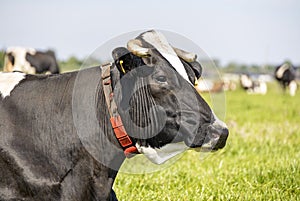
<point x="247" y="32"/>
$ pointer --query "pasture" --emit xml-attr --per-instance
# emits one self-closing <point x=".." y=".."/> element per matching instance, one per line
<point x="261" y="160"/>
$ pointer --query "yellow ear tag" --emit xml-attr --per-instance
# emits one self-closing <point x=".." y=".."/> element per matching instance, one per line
<point x="121" y="64"/>
<point x="196" y="82"/>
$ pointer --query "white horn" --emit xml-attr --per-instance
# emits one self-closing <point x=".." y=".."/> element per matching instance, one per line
<point x="135" y="46"/>
<point x="187" y="56"/>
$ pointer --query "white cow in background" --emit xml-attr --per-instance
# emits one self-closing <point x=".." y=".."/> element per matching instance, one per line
<point x="30" y="61"/>
<point x="253" y="87"/>
<point x="19" y="57"/>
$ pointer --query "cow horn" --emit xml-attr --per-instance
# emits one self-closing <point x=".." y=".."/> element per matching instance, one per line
<point x="187" y="56"/>
<point x="135" y="46"/>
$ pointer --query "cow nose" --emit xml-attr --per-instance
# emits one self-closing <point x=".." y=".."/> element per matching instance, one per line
<point x="224" y="132"/>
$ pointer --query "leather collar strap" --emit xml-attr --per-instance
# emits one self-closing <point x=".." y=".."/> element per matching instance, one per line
<point x="115" y="118"/>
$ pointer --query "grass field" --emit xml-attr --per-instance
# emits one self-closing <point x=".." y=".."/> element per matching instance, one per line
<point x="261" y="160"/>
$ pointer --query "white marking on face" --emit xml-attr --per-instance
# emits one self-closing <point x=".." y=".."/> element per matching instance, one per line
<point x="161" y="155"/>
<point x="8" y="82"/>
<point x="281" y="70"/>
<point x="161" y="44"/>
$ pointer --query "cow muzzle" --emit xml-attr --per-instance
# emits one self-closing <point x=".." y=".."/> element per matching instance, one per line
<point x="215" y="138"/>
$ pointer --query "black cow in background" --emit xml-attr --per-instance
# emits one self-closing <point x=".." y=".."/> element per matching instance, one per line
<point x="30" y="61"/>
<point x="285" y="74"/>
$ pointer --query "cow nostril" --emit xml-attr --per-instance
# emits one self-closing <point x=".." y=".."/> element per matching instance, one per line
<point x="225" y="132"/>
<point x="223" y="135"/>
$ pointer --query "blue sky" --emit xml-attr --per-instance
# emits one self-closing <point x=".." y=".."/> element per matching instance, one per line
<point x="250" y="32"/>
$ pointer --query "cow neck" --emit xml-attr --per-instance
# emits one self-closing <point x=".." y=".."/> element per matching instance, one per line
<point x="115" y="118"/>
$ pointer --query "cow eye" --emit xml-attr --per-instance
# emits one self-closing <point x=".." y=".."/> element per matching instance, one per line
<point x="161" y="78"/>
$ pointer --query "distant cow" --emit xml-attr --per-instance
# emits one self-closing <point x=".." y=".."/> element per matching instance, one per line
<point x="251" y="86"/>
<point x="207" y="86"/>
<point x="285" y="74"/>
<point x="30" y="61"/>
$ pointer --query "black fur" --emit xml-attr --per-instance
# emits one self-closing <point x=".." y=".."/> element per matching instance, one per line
<point x="288" y="76"/>
<point x="57" y="142"/>
<point x="43" y="62"/>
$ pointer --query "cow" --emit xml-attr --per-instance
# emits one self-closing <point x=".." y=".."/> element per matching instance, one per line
<point x="285" y="74"/>
<point x="29" y="60"/>
<point x="209" y="86"/>
<point x="65" y="136"/>
<point x="251" y="86"/>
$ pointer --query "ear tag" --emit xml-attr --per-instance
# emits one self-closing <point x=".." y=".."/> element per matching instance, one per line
<point x="122" y="68"/>
<point x="196" y="82"/>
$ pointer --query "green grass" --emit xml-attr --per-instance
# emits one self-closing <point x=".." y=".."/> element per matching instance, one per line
<point x="261" y="160"/>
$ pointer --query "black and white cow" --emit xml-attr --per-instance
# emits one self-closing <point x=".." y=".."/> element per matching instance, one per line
<point x="251" y="86"/>
<point x="30" y="61"/>
<point x="57" y="142"/>
<point x="285" y="74"/>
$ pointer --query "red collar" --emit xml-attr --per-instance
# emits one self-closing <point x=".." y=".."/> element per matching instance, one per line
<point x="115" y="118"/>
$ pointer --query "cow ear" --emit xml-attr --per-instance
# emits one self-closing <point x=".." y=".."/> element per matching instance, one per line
<point x="125" y="60"/>
<point x="197" y="68"/>
<point x="193" y="69"/>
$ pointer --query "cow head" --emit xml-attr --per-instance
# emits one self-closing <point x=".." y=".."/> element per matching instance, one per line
<point x="159" y="106"/>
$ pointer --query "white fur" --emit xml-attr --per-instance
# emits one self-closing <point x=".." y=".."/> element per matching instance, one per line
<point x="293" y="87"/>
<point x="18" y="49"/>
<point x="260" y="89"/>
<point x="263" y="88"/>
<point x="8" y="82"/>
<point x="246" y="81"/>
<point x="21" y="64"/>
<point x="281" y="70"/>
<point x="161" y="155"/>
<point x="160" y="43"/>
